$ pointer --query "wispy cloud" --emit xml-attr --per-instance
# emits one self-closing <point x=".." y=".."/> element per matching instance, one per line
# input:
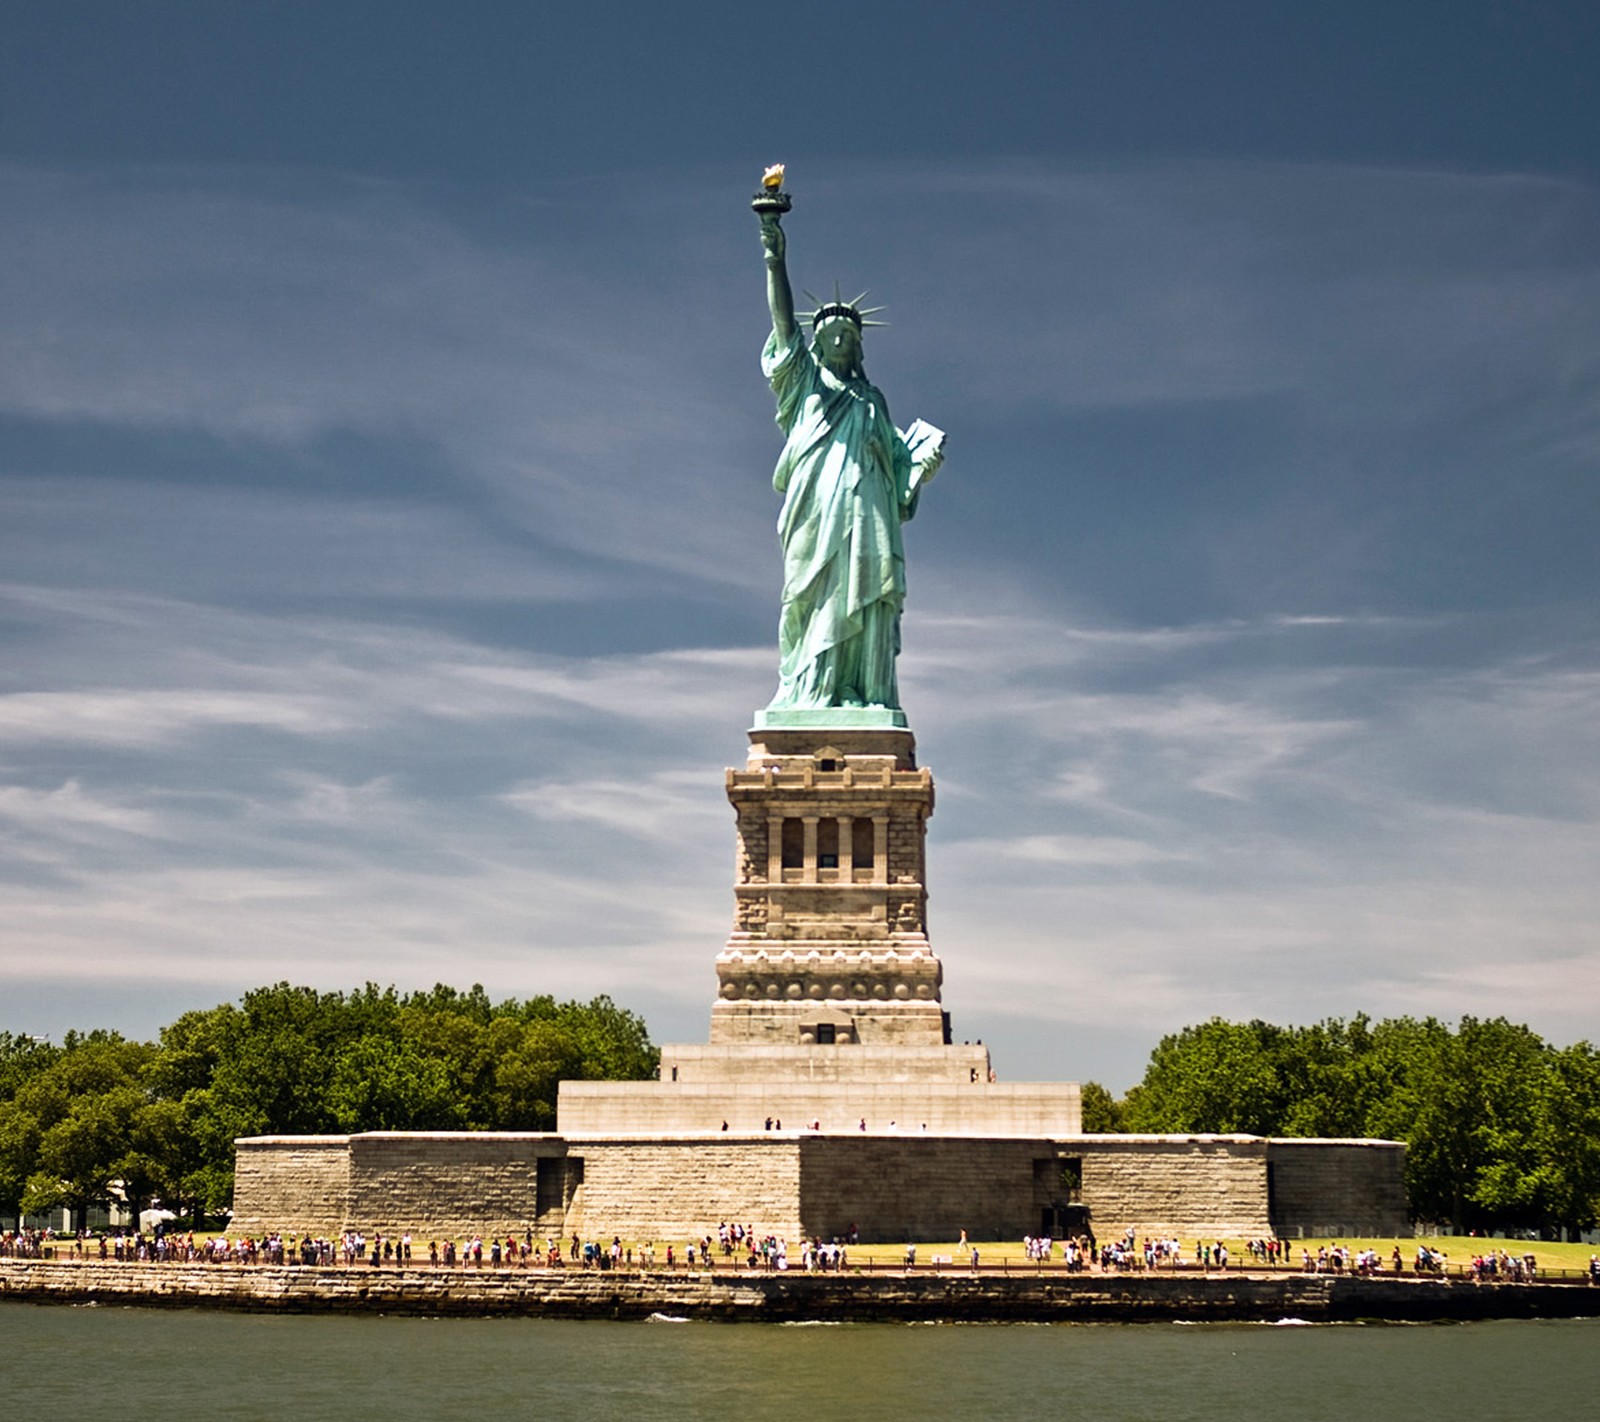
<point x="131" y="718"/>
<point x="668" y="807"/>
<point x="196" y="302"/>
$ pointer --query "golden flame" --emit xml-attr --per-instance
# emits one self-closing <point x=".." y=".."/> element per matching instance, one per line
<point x="772" y="179"/>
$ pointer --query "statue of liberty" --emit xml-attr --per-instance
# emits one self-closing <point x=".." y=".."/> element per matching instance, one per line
<point x="849" y="479"/>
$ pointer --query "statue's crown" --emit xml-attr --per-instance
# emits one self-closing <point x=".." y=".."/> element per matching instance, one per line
<point x="841" y="310"/>
<point x="835" y="309"/>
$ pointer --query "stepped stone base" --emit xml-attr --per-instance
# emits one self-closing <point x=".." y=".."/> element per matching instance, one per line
<point x="937" y="1090"/>
<point x="729" y="1063"/>
<point x="598" y="1108"/>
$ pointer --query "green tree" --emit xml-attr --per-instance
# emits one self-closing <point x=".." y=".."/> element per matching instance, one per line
<point x="380" y="1082"/>
<point x="528" y="1062"/>
<point x="1217" y="1077"/>
<point x="1465" y="1102"/>
<point x="1500" y="1129"/>
<point x="1568" y="1140"/>
<point x="195" y="1129"/>
<point x="162" y="1119"/>
<point x="21" y="1059"/>
<point x="73" y="1126"/>
<point x="19" y="1153"/>
<point x="1328" y="1078"/>
<point x="614" y="1044"/>
<point x="1102" y="1112"/>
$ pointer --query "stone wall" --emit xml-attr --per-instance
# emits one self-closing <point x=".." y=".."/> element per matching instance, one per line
<point x="670" y="1189"/>
<point x="728" y="1294"/>
<point x="1174" y="1185"/>
<point x="1338" y="1187"/>
<point x="451" y="1183"/>
<point x="297" y="1183"/>
<point x="916" y="1187"/>
<point x="677" y="1190"/>
<point x="674" y="1185"/>
<point x="455" y="1183"/>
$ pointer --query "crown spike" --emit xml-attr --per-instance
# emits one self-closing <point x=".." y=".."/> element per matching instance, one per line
<point x="840" y="309"/>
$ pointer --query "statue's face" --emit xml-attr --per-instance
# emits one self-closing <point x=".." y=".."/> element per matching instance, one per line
<point x="838" y="345"/>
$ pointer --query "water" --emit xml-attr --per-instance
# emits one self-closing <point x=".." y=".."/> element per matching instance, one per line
<point x="126" y="1365"/>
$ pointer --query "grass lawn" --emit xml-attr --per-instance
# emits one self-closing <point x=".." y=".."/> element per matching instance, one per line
<point x="1459" y="1249"/>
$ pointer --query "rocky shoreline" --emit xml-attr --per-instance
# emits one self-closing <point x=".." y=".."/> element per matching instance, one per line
<point x="730" y="1296"/>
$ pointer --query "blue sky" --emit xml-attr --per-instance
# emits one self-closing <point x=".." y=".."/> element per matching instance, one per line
<point x="387" y="567"/>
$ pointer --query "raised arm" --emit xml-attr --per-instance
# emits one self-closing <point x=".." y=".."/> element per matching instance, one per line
<point x="779" y="297"/>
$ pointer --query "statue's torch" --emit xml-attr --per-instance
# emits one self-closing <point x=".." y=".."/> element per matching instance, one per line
<point x="771" y="202"/>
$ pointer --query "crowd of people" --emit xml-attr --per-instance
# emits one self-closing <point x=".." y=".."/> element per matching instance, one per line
<point x="1130" y="1253"/>
<point x="1497" y="1264"/>
<point x="25" y="1243"/>
<point x="1340" y="1260"/>
<point x="1429" y="1261"/>
<point x="756" y="1249"/>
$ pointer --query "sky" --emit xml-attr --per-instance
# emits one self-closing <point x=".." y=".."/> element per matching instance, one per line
<point x="387" y="554"/>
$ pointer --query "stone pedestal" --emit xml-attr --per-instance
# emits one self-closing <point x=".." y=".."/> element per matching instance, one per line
<point x="830" y="940"/>
<point x="828" y="1014"/>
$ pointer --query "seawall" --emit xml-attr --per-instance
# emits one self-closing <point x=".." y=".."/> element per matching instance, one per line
<point x="757" y="1297"/>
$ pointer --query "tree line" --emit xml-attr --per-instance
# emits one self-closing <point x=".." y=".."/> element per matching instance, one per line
<point x="1502" y="1129"/>
<point x="161" y="1117"/>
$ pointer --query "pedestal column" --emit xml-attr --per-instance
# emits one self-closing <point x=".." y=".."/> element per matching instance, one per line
<point x="821" y="954"/>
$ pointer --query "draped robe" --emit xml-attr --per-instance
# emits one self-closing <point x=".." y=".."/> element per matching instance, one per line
<point x="845" y="477"/>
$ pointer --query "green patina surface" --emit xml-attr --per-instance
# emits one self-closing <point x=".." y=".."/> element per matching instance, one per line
<point x="849" y="478"/>
<point x="839" y="718"/>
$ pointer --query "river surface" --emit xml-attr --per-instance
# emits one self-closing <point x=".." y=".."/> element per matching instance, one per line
<point x="129" y="1364"/>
